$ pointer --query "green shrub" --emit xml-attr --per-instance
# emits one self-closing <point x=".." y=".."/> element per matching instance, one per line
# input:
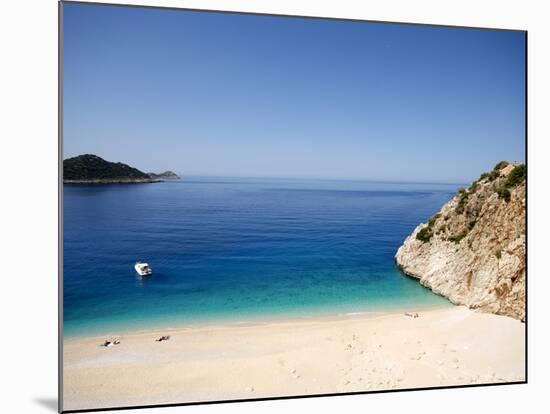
<point x="472" y="223"/>
<point x="461" y="203"/>
<point x="483" y="176"/>
<point x="425" y="234"/>
<point x="458" y="237"/>
<point x="493" y="175"/>
<point x="516" y="176"/>
<point x="473" y="187"/>
<point x="504" y="193"/>
<point x="498" y="254"/>
<point x="433" y="219"/>
<point x="500" y="165"/>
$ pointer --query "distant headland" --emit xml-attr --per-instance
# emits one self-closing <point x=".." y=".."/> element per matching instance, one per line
<point x="91" y="169"/>
<point x="166" y="175"/>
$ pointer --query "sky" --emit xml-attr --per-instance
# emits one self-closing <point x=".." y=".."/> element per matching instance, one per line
<point x="219" y="94"/>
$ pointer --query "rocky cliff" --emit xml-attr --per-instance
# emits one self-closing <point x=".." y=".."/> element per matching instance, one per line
<point x="473" y="250"/>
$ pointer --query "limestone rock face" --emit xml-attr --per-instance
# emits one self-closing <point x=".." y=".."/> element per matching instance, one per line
<point x="473" y="250"/>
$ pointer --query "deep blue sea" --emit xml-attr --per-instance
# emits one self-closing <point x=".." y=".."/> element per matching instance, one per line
<point x="238" y="250"/>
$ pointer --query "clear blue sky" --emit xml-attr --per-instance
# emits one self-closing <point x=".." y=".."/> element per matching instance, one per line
<point x="242" y="95"/>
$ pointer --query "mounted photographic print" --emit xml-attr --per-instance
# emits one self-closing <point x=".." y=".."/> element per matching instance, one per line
<point x="260" y="206"/>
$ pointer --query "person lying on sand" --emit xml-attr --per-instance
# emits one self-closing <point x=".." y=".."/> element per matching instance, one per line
<point x="111" y="343"/>
<point x="411" y="315"/>
<point x="163" y="338"/>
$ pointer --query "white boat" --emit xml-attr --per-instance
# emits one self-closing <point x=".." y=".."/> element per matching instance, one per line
<point x="143" y="269"/>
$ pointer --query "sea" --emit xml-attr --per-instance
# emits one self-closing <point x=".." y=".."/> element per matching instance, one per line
<point x="238" y="250"/>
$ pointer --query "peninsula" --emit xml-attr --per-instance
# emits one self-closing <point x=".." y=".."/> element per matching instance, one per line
<point x="91" y="169"/>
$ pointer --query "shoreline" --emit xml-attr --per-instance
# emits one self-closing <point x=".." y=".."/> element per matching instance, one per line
<point x="317" y="355"/>
<point x="114" y="181"/>
<point x="260" y="320"/>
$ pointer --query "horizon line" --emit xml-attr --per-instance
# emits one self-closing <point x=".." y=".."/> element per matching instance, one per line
<point x="364" y="180"/>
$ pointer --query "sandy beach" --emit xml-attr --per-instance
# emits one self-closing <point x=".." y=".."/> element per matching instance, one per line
<point x="450" y="346"/>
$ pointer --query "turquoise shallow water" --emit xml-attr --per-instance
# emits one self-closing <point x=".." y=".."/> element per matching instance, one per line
<point x="225" y="249"/>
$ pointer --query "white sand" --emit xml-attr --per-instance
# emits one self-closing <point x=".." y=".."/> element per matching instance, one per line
<point x="450" y="346"/>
